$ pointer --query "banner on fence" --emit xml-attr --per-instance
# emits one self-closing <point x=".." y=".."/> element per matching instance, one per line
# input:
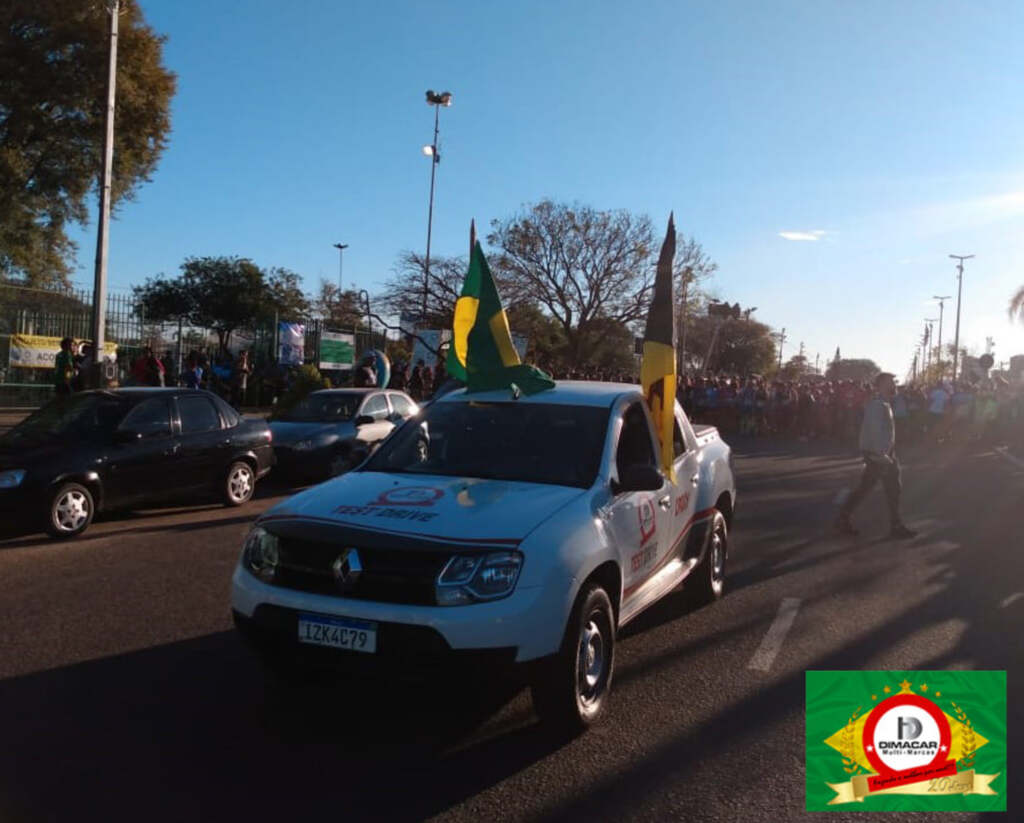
<point x="291" y="344"/>
<point x="34" y="351"/>
<point x="337" y="350"/>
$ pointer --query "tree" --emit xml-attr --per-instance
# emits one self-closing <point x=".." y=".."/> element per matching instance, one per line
<point x="338" y="309"/>
<point x="403" y="290"/>
<point x="223" y="294"/>
<point x="854" y="369"/>
<point x="743" y="346"/>
<point x="692" y="267"/>
<point x="796" y="367"/>
<point x="53" y="75"/>
<point x="578" y="264"/>
<point x="1017" y="305"/>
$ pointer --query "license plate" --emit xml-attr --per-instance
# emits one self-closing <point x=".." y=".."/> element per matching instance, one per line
<point x="338" y="632"/>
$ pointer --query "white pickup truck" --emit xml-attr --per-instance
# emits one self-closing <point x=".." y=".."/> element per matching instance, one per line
<point x="493" y="528"/>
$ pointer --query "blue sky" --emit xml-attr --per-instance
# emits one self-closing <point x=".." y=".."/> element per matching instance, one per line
<point x="889" y="132"/>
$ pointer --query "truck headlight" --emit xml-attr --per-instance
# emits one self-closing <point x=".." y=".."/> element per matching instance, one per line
<point x="11" y="479"/>
<point x="260" y="553"/>
<point x="471" y="578"/>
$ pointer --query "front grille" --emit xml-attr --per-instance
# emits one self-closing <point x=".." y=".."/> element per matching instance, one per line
<point x="388" y="576"/>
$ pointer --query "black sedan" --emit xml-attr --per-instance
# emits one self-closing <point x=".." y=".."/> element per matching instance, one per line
<point x="333" y="430"/>
<point x="102" y="450"/>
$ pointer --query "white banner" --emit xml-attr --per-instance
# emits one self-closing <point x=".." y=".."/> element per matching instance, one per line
<point x="33" y="351"/>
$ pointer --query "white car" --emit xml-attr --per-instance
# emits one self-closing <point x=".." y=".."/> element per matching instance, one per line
<point x="493" y="528"/>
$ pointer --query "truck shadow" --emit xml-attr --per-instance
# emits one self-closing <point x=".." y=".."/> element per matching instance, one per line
<point x="190" y="731"/>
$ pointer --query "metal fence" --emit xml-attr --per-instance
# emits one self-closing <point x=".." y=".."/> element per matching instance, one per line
<point x="68" y="313"/>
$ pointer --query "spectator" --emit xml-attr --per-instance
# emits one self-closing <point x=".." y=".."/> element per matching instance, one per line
<point x="64" y="367"/>
<point x="193" y="374"/>
<point x="365" y="376"/>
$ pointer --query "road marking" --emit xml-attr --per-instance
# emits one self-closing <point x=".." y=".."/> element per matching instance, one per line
<point x="769" y="648"/>
<point x="1013" y="598"/>
<point x="1004" y="453"/>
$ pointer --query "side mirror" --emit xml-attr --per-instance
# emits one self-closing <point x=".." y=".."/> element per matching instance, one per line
<point x="126" y="436"/>
<point x="640" y="477"/>
<point x="363" y="420"/>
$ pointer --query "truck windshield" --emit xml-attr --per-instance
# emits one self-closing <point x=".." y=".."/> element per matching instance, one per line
<point x="528" y="442"/>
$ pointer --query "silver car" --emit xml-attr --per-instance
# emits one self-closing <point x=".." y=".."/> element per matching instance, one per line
<point x="332" y="430"/>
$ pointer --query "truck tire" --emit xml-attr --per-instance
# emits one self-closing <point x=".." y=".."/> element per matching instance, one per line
<point x="709" y="583"/>
<point x="570" y="691"/>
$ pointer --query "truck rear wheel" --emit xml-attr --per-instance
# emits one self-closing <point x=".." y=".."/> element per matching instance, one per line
<point x="570" y="692"/>
<point x="709" y="583"/>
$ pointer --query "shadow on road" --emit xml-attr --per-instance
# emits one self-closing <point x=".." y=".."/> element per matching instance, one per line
<point x="189" y="731"/>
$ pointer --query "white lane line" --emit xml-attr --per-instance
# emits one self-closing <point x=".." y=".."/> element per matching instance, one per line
<point x="772" y="643"/>
<point x="1013" y="598"/>
<point x="1009" y="458"/>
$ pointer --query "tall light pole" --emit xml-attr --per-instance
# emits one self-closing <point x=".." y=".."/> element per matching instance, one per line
<point x="931" y="321"/>
<point x="99" y="291"/>
<point x="959" y="292"/>
<point x="942" y="304"/>
<point x="436" y="100"/>
<point x="341" y="252"/>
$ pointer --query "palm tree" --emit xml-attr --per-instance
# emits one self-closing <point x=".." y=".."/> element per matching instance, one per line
<point x="1017" y="305"/>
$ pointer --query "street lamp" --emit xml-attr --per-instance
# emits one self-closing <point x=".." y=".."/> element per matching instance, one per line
<point x="959" y="291"/>
<point x="341" y="251"/>
<point x="436" y="100"/>
<point x="942" y="304"/>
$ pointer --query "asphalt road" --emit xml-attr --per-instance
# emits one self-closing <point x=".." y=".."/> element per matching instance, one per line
<point x="124" y="694"/>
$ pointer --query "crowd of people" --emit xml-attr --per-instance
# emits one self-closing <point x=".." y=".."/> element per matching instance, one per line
<point x="831" y="409"/>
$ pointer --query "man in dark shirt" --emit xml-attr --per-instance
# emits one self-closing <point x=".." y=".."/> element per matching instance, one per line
<point x="64" y="368"/>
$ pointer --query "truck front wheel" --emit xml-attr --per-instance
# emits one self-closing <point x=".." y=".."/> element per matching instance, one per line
<point x="570" y="691"/>
<point x="709" y="583"/>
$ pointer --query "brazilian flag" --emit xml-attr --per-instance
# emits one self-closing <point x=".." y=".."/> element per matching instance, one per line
<point x="481" y="353"/>
<point x="658" y="367"/>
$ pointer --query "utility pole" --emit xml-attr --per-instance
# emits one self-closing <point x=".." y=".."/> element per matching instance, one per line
<point x="914" y="369"/>
<point x="817" y="358"/>
<point x="959" y="293"/>
<point x="99" y="291"/>
<point x="942" y="302"/>
<point x="782" y="342"/>
<point x="341" y="253"/>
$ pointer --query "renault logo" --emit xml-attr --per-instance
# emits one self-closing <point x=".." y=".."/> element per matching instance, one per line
<point x="347" y="569"/>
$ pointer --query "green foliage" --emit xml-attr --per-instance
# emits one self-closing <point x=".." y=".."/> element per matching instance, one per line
<point x="339" y="309"/>
<point x="853" y="369"/>
<point x="743" y="346"/>
<point x="223" y="294"/>
<point x="307" y="380"/>
<point x="53" y="75"/>
<point x="796" y="367"/>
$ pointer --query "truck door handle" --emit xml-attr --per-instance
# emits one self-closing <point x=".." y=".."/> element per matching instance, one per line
<point x="695" y="479"/>
<point x="665" y="501"/>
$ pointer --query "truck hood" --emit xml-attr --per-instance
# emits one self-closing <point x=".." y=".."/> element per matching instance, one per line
<point x="449" y="509"/>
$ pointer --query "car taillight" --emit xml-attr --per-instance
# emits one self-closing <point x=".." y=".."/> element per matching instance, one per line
<point x="270" y="436"/>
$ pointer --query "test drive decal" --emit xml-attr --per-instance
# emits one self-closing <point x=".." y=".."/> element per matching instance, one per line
<point x="906" y="741"/>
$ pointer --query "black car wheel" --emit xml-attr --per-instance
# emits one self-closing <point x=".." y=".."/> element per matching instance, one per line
<point x="570" y="693"/>
<point x="709" y="583"/>
<point x="71" y="511"/>
<point x="239" y="484"/>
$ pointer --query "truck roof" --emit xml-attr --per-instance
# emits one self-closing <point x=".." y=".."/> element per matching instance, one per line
<point x="565" y="393"/>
